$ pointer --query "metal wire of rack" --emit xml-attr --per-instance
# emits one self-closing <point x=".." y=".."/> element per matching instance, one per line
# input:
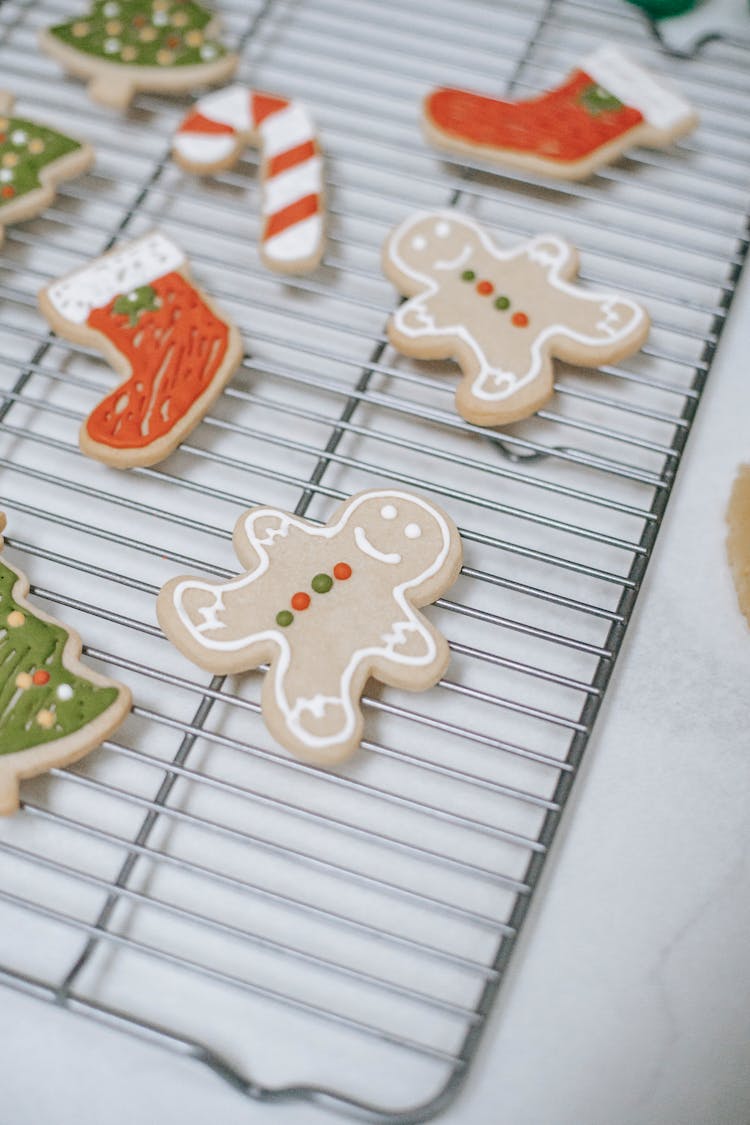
<point x="341" y="936"/>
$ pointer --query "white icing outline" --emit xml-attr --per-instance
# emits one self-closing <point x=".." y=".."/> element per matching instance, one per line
<point x="93" y="286"/>
<point x="395" y="637"/>
<point x="548" y="251"/>
<point x="281" y="130"/>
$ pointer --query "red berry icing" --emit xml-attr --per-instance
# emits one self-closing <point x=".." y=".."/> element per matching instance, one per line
<point x="300" y="600"/>
<point x="342" y="571"/>
<point x="41" y="676"/>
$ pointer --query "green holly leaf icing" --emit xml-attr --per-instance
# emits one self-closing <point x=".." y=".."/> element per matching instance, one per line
<point x="597" y="100"/>
<point x="25" y="148"/>
<point x="136" y="302"/>
<point x="65" y="701"/>
<point x="162" y="33"/>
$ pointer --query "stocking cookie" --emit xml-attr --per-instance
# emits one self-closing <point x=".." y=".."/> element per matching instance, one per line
<point x="122" y="46"/>
<point x="501" y="314"/>
<point x="212" y="138"/>
<point x="53" y="709"/>
<point x="605" y="106"/>
<point x="33" y="161"/>
<point x="326" y="607"/>
<point x="164" y="336"/>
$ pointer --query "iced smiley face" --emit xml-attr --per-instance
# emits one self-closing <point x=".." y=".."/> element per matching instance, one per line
<point x="326" y="607"/>
<point x="501" y="314"/>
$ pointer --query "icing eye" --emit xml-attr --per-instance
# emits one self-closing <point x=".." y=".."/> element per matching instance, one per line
<point x="418" y="242"/>
<point x="389" y="512"/>
<point x="442" y="229"/>
<point x="412" y="531"/>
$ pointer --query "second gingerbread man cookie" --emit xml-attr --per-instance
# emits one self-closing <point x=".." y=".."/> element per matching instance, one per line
<point x="501" y="314"/>
<point x="326" y="607"/>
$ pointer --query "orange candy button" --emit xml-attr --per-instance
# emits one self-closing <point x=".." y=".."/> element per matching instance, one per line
<point x="300" y="601"/>
<point x="520" y="319"/>
<point x="342" y="571"/>
<point x="485" y="288"/>
<point x="41" y="677"/>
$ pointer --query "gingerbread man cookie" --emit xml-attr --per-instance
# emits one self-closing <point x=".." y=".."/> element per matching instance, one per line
<point x="213" y="136"/>
<point x="325" y="607"/>
<point x="501" y="314"/>
<point x="53" y="709"/>
<point x="173" y="349"/>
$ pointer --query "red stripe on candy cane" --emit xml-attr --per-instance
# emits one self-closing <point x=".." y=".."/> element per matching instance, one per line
<point x="292" y="156"/>
<point x="263" y="105"/>
<point x="197" y="123"/>
<point x="288" y="216"/>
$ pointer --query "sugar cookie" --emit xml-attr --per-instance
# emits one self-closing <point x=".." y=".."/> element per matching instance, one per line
<point x="605" y="106"/>
<point x="501" y="314"/>
<point x="34" y="159"/>
<point x="326" y="607"/>
<point x="163" y="335"/>
<point x="123" y="46"/>
<point x="53" y="709"/>
<point x="212" y="138"/>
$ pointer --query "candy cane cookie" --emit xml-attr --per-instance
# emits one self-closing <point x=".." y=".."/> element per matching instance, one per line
<point x="212" y="137"/>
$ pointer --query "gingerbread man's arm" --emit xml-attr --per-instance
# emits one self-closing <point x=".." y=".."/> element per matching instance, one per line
<point x="413" y="645"/>
<point x="260" y="531"/>
<point x="602" y="327"/>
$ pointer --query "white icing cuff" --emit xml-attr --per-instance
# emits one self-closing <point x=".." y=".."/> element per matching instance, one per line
<point x="298" y="241"/>
<point x="93" y="286"/>
<point x="635" y="86"/>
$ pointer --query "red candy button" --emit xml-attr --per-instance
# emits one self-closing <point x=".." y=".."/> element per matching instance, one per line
<point x="300" y="601"/>
<point x="485" y="288"/>
<point x="41" y="677"/>
<point x="519" y="319"/>
<point x="342" y="571"/>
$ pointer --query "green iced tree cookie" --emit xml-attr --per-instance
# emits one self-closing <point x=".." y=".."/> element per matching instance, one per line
<point x="52" y="708"/>
<point x="156" y="44"/>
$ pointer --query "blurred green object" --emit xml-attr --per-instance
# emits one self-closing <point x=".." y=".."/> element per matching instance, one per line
<point x="662" y="9"/>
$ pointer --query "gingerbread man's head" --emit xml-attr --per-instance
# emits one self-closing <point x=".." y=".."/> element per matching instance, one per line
<point x="428" y="244"/>
<point x="408" y="539"/>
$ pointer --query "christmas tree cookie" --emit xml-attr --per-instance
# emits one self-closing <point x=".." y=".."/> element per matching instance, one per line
<point x="53" y="709"/>
<point x="605" y="106"/>
<point x="172" y="348"/>
<point x="33" y="161"/>
<point x="122" y="46"/>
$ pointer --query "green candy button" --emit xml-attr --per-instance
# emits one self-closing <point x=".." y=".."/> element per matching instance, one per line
<point x="322" y="583"/>
<point x="284" y="618"/>
<point x="468" y="275"/>
<point x="502" y="303"/>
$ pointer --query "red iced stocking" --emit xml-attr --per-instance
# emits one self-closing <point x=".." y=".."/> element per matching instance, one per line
<point x="174" y="350"/>
<point x="602" y="108"/>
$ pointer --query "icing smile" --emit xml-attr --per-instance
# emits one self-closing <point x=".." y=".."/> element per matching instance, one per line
<point x="365" y="545"/>
<point x="456" y="263"/>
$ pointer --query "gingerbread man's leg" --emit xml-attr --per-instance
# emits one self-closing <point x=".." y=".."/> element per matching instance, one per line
<point x="326" y="725"/>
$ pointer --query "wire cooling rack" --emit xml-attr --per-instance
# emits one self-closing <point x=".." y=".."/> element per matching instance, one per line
<point x="341" y="936"/>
